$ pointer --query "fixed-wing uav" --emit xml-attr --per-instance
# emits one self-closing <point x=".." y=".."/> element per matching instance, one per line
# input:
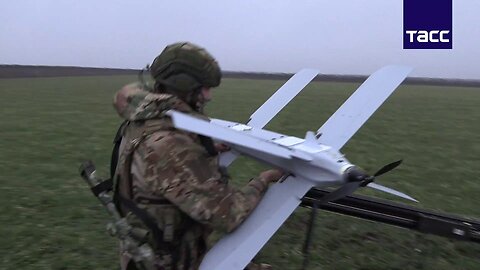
<point x="314" y="161"/>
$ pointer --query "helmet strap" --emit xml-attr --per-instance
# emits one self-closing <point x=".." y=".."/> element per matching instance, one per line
<point x="196" y="100"/>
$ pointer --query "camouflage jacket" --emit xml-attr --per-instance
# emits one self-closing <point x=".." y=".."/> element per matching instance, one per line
<point x="173" y="167"/>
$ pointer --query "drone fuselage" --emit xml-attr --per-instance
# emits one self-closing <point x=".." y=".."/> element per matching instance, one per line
<point x="316" y="162"/>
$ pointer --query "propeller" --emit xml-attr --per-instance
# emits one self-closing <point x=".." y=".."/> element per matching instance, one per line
<point x="388" y="168"/>
<point x="357" y="178"/>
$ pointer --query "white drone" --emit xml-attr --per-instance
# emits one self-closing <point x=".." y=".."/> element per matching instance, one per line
<point x="312" y="162"/>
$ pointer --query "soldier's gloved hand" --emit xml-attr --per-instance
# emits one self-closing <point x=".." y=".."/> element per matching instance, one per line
<point x="220" y="147"/>
<point x="272" y="175"/>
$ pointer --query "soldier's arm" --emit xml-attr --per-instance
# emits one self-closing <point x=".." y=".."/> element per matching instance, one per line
<point x="180" y="170"/>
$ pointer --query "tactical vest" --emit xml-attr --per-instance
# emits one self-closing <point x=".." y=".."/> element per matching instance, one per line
<point x="129" y="136"/>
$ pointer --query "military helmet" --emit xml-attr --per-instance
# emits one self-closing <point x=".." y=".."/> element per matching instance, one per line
<point x="185" y="67"/>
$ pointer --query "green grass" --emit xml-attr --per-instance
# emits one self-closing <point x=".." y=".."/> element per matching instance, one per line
<point x="49" y="220"/>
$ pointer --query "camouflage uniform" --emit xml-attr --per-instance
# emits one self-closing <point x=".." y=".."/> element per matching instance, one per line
<point x="170" y="174"/>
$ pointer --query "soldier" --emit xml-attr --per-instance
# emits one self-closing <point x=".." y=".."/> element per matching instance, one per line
<point x="168" y="181"/>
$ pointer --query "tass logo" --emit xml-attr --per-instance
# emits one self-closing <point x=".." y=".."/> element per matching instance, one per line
<point x="428" y="36"/>
<point x="427" y="24"/>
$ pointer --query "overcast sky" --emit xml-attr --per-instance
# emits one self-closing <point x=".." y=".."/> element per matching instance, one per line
<point x="334" y="36"/>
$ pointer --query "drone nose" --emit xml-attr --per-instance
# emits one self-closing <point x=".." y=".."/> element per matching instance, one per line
<point x="355" y="174"/>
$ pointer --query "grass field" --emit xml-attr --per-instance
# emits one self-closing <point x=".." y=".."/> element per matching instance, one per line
<point x="49" y="220"/>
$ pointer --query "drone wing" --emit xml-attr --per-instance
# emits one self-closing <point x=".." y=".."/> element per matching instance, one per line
<point x="273" y="105"/>
<point x="235" y="250"/>
<point x="345" y="122"/>
<point x="281" y="97"/>
<point x="249" y="144"/>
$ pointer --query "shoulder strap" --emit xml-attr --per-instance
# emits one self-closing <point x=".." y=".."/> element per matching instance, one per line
<point x="116" y="146"/>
